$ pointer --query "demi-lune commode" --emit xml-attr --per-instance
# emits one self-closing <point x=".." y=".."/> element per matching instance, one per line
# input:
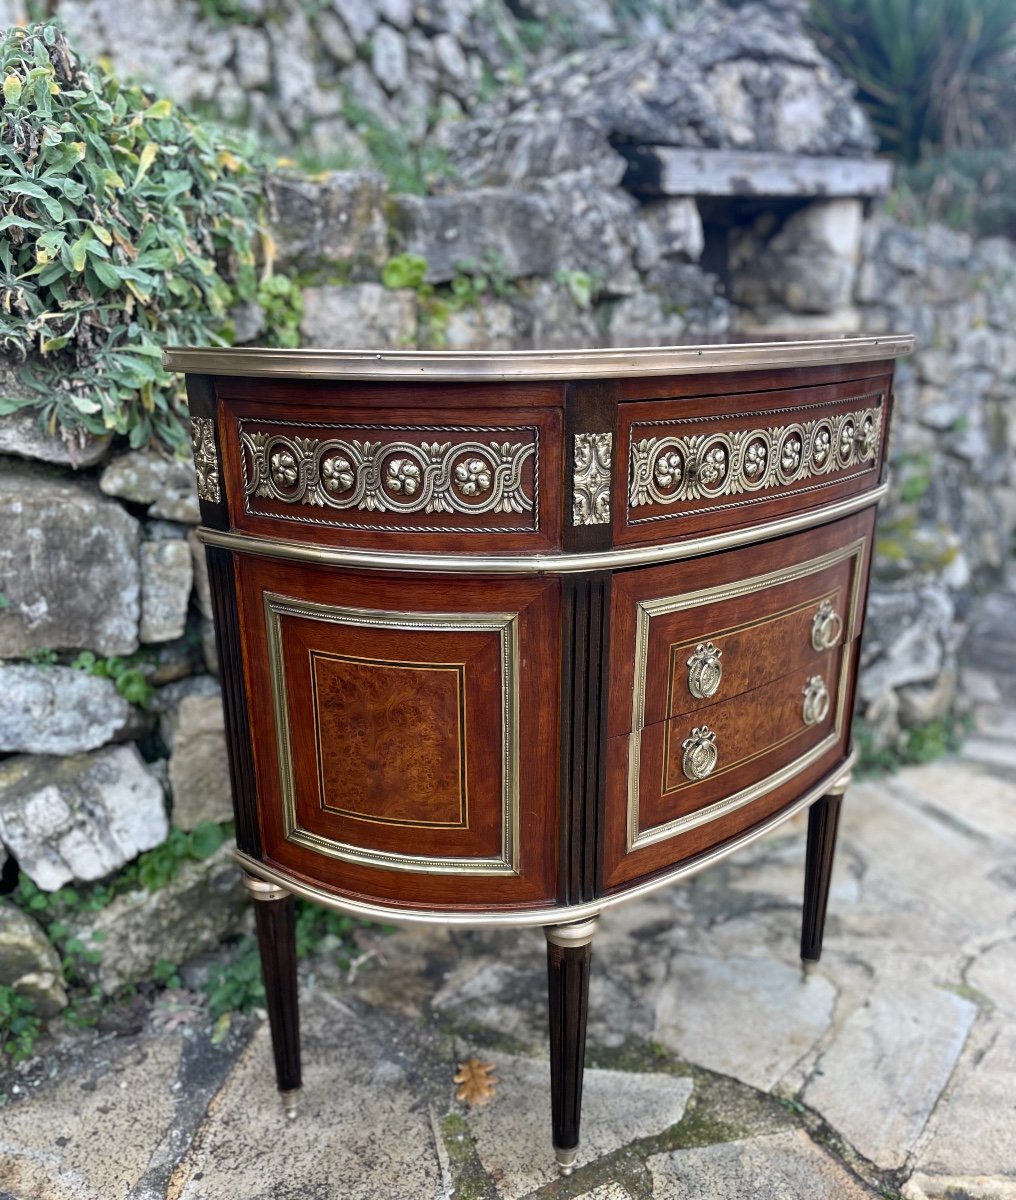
<point x="508" y="638"/>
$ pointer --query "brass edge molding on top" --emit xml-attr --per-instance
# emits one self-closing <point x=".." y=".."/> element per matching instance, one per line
<point x="637" y="837"/>
<point x="469" y="366"/>
<point x="505" y="625"/>
<point x="538" y="564"/>
<point x="548" y="915"/>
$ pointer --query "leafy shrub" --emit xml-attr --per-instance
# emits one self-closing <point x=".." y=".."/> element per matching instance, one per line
<point x="19" y="1025"/>
<point x="967" y="189"/>
<point x="126" y="226"/>
<point x="933" y="74"/>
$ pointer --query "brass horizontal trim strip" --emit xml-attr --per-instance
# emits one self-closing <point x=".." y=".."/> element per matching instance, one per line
<point x="468" y="366"/>
<point x="552" y="915"/>
<point x="536" y="564"/>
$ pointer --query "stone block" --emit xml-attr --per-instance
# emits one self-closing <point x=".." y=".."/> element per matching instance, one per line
<point x="28" y="961"/>
<point x="334" y="221"/>
<point x="79" y="817"/>
<point x="493" y="326"/>
<point x="360" y="17"/>
<point x="640" y="320"/>
<point x="198" y="765"/>
<point x="202" y="589"/>
<point x="676" y="226"/>
<point x="597" y="232"/>
<point x="57" y="710"/>
<point x="20" y="434"/>
<point x="517" y="231"/>
<point x="167" y="573"/>
<point x="68" y="567"/>
<point x="389" y="58"/>
<point x="363" y="316"/>
<point x="147" y="477"/>
<point x="203" y="903"/>
<point x="556" y="320"/>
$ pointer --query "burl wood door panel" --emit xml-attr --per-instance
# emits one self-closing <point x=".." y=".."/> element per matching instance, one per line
<point x="405" y="732"/>
<point x="696" y="465"/>
<point x="777" y="722"/>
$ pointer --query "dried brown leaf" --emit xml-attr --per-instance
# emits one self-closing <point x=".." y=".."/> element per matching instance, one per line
<point x="476" y="1084"/>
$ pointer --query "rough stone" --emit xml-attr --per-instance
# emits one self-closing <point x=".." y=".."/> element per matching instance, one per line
<point x="28" y="961"/>
<point x="335" y="221"/>
<point x="778" y="1015"/>
<point x="364" y="316"/>
<point x="396" y="12"/>
<point x="905" y="638"/>
<point x="596" y="232"/>
<point x="335" y="38"/>
<point x="880" y="1078"/>
<point x="493" y="326"/>
<point x="203" y="903"/>
<point x="360" y="17"/>
<point x="951" y="1187"/>
<point x="676" y="226"/>
<point x="557" y="321"/>
<point x="57" y="710"/>
<point x="20" y="434"/>
<point x="639" y="320"/>
<point x="60" y="542"/>
<point x="694" y="294"/>
<point x="780" y="1166"/>
<point x="389" y="58"/>
<point x="450" y="58"/>
<point x="166" y="577"/>
<point x="253" y="57"/>
<point x="79" y="817"/>
<point x="516" y="231"/>
<point x="198" y="766"/>
<point x="149" y="478"/>
<point x="617" y="1108"/>
<point x="202" y="588"/>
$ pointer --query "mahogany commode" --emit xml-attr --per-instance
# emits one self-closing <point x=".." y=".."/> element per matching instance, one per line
<point x="507" y="638"/>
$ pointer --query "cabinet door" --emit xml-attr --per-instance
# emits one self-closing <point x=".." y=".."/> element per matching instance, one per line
<point x="405" y="732"/>
<point x="732" y="682"/>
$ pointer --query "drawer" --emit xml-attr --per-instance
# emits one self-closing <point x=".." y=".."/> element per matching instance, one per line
<point x="693" y="466"/>
<point x="405" y="754"/>
<point x="689" y="763"/>
<point x="438" y="479"/>
<point x="784" y="620"/>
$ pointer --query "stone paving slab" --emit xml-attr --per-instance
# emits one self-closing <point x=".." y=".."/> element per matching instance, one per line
<point x="512" y="1134"/>
<point x="782" y="1166"/>
<point x="93" y="1139"/>
<point x="363" y="1130"/>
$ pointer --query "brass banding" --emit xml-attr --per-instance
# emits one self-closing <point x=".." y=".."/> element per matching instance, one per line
<point x="536" y="564"/>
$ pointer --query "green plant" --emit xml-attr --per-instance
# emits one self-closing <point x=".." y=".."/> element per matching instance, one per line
<point x="580" y="285"/>
<point x="933" y="74"/>
<point x="236" y="985"/>
<point x="4" y="602"/>
<point x="127" y="226"/>
<point x="409" y="168"/>
<point x="155" y="868"/>
<point x="20" y="1025"/>
<point x="404" y="271"/>
<point x="281" y="302"/>
<point x="131" y="682"/>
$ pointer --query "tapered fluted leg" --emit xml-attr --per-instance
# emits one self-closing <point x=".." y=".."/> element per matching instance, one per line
<point x="568" y="954"/>
<point x="275" y="913"/>
<point x="823" y="821"/>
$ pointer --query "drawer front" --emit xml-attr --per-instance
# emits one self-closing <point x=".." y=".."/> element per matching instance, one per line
<point x="389" y="743"/>
<point x="441" y="479"/>
<point x="718" y="650"/>
<point x="690" y="463"/>
<point x="685" y="773"/>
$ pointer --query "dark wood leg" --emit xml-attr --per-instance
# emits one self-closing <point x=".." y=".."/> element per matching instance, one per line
<point x="568" y="953"/>
<point x="275" y="913"/>
<point x="823" y="821"/>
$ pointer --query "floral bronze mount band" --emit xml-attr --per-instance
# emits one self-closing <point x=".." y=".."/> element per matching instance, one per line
<point x="674" y="468"/>
<point x="447" y="475"/>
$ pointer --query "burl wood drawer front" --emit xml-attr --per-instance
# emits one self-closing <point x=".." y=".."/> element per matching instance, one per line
<point x="697" y="465"/>
<point x="407" y="754"/>
<point x="444" y="479"/>
<point x="681" y="777"/>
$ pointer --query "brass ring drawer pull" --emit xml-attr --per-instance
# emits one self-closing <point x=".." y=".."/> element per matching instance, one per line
<point x="699" y="753"/>
<point x="816" y="700"/>
<point x="705" y="671"/>
<point x="826" y="626"/>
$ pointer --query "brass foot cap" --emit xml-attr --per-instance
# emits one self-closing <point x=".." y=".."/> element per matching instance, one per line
<point x="566" y="1159"/>
<point x="289" y="1102"/>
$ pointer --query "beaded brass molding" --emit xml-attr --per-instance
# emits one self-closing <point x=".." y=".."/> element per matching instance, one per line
<point x="206" y="459"/>
<point x="593" y="456"/>
<point x="383" y="474"/>
<point x="505" y="625"/>
<point x="674" y="468"/>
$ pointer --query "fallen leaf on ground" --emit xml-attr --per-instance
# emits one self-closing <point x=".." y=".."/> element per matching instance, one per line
<point x="476" y="1084"/>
